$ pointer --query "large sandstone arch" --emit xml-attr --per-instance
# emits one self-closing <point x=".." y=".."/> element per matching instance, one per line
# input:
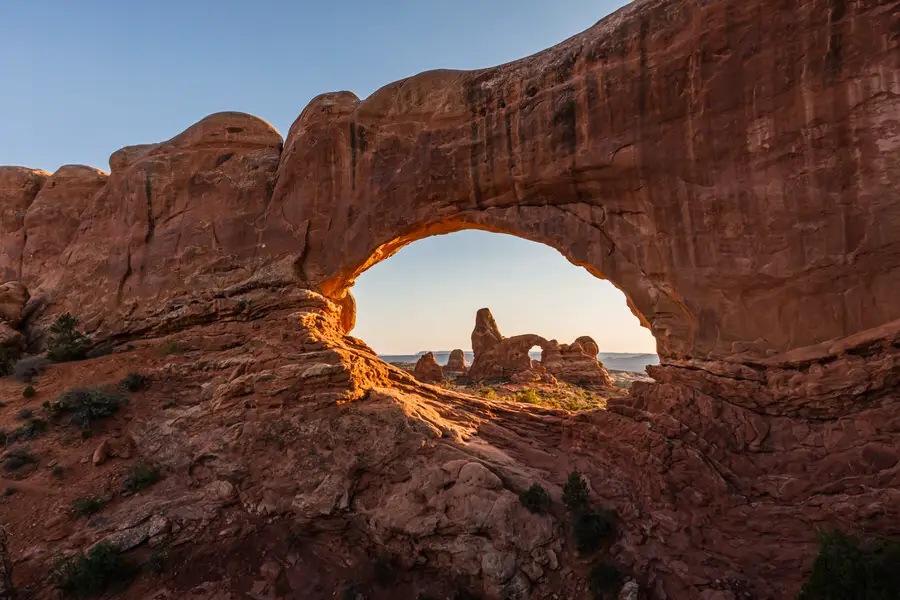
<point x="740" y="190"/>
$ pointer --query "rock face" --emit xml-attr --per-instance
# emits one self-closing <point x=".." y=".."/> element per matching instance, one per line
<point x="456" y="364"/>
<point x="497" y="357"/>
<point x="740" y="189"/>
<point x="427" y="370"/>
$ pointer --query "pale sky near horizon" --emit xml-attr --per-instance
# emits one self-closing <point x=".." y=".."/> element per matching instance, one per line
<point x="82" y="79"/>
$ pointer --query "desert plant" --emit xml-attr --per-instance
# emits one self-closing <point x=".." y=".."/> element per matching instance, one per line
<point x="848" y="568"/>
<point x="65" y="343"/>
<point x="93" y="573"/>
<point x="26" y="369"/>
<point x="591" y="528"/>
<point x="8" y="357"/>
<point x="140" y="477"/>
<point x="9" y="491"/>
<point x="158" y="559"/>
<point x="25" y="414"/>
<point x="604" y="581"/>
<point x="135" y="382"/>
<point x="170" y="404"/>
<point x="535" y="499"/>
<point x="16" y="458"/>
<point x="58" y="471"/>
<point x="83" y="406"/>
<point x="529" y="396"/>
<point x="487" y="393"/>
<point x="85" y="507"/>
<point x="29" y="430"/>
<point x="575" y="492"/>
<point x="29" y="392"/>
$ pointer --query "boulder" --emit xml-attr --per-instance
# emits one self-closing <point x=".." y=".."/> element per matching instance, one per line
<point x="427" y="370"/>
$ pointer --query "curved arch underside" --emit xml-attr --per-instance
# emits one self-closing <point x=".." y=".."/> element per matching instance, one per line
<point x="741" y="191"/>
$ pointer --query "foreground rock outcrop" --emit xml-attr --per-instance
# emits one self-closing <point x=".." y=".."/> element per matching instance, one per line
<point x="739" y="189"/>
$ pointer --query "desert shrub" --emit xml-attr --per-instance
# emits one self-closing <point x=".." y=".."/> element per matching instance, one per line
<point x="9" y="491"/>
<point x="8" y="357"/>
<point x="25" y="414"/>
<point x="591" y="528"/>
<point x="535" y="499"/>
<point x="32" y="428"/>
<point x="93" y="573"/>
<point x="170" y="347"/>
<point x="58" y="471"/>
<point x="604" y="581"/>
<point x="529" y="396"/>
<point x="16" y="458"/>
<point x="83" y="406"/>
<point x="140" y="477"/>
<point x="26" y="369"/>
<point x="65" y="343"/>
<point x="85" y="507"/>
<point x="135" y="382"/>
<point x="575" y="492"/>
<point x="849" y="569"/>
<point x="158" y="559"/>
<point x="487" y="393"/>
<point x="29" y="392"/>
<point x="170" y="404"/>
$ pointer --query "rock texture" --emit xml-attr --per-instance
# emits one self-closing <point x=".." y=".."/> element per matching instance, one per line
<point x="456" y="363"/>
<point x="427" y="370"/>
<point x="498" y="357"/>
<point x="733" y="167"/>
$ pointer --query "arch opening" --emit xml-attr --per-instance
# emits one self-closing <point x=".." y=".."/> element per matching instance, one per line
<point x="565" y="337"/>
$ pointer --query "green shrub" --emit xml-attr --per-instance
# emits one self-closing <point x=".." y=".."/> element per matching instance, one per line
<point x="25" y="414"/>
<point x="140" y="477"/>
<point x="591" y="528"/>
<point x="85" y="507"/>
<point x="170" y="404"/>
<point x="529" y="396"/>
<point x="487" y="393"/>
<point x="9" y="491"/>
<point x="26" y="369"/>
<point x="58" y="471"/>
<point x="83" y="406"/>
<point x="604" y="581"/>
<point x="65" y="343"/>
<point x="94" y="573"/>
<point x="848" y="569"/>
<point x="135" y="382"/>
<point x="29" y="392"/>
<point x="8" y="357"/>
<point x="575" y="492"/>
<point x="16" y="458"/>
<point x="29" y="430"/>
<point x="535" y="499"/>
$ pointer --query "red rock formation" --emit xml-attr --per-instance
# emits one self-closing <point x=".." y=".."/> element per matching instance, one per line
<point x="497" y="357"/>
<point x="731" y="167"/>
<point x="456" y="363"/>
<point x="427" y="370"/>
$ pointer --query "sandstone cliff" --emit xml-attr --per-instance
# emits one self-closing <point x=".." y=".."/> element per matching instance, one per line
<point x="731" y="166"/>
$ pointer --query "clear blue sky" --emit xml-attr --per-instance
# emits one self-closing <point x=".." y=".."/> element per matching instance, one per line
<point x="80" y="79"/>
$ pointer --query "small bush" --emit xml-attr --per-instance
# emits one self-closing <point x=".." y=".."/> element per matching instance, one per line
<point x="135" y="382"/>
<point x="31" y="429"/>
<point x="9" y="491"/>
<point x="25" y="414"/>
<point x="848" y="569"/>
<point x="170" y="404"/>
<point x="8" y="357"/>
<point x="535" y="499"/>
<point x="58" y="471"/>
<point x="29" y="392"/>
<point x="17" y="458"/>
<point x="529" y="396"/>
<point x="487" y="393"/>
<point x="65" y="343"/>
<point x="26" y="369"/>
<point x="92" y="574"/>
<point x="170" y="347"/>
<point x="83" y="406"/>
<point x="604" y="581"/>
<point x="85" y="507"/>
<point x="590" y="529"/>
<point x="158" y="560"/>
<point x="140" y="477"/>
<point x="575" y="492"/>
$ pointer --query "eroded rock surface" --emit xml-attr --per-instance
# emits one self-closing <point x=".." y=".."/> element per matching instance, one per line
<point x="739" y="188"/>
<point x="456" y="363"/>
